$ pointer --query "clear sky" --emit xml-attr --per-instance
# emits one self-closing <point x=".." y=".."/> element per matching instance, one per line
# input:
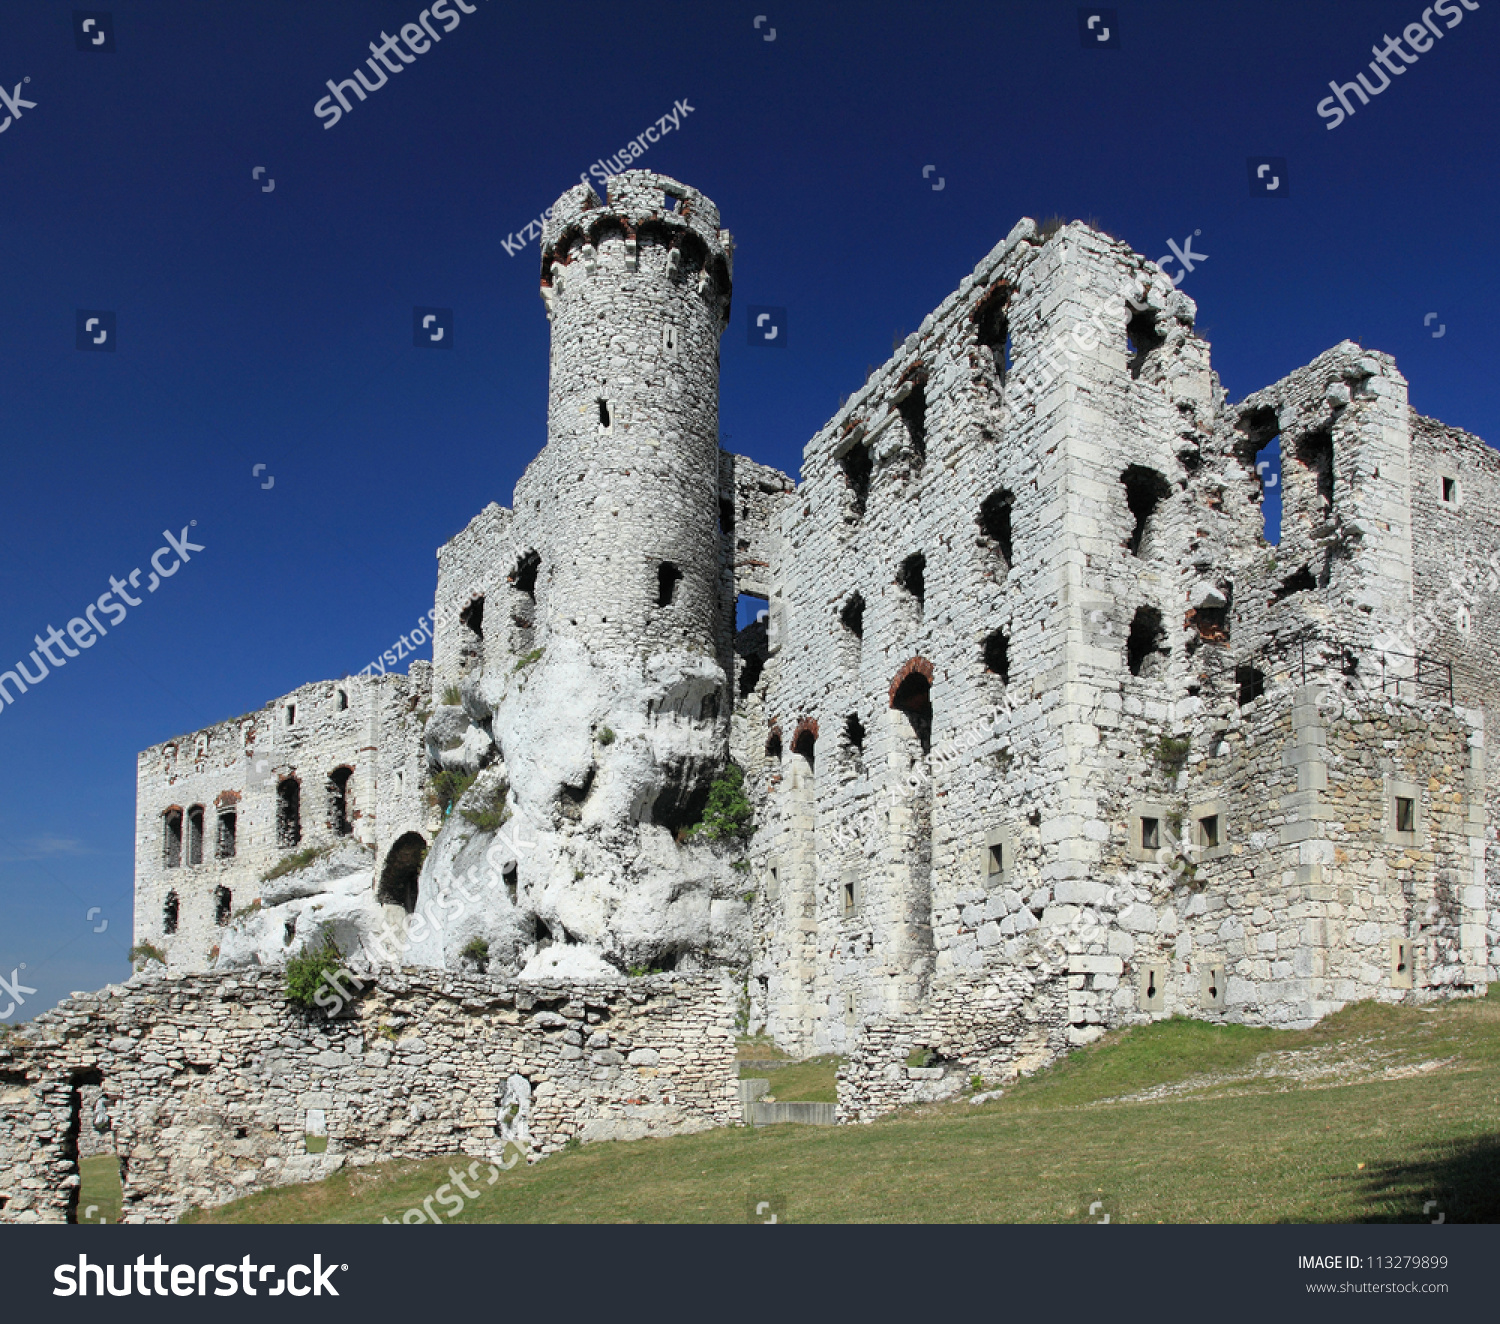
<point x="273" y="327"/>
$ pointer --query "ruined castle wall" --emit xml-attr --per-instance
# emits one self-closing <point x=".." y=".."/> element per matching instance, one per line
<point x="1311" y="900"/>
<point x="237" y="768"/>
<point x="1456" y="519"/>
<point x="909" y="830"/>
<point x="1344" y="562"/>
<point x="214" y="1084"/>
<point x="472" y="625"/>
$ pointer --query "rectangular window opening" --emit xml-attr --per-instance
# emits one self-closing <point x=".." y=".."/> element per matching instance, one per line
<point x="224" y="848"/>
<point x="1406" y="814"/>
<point x="996" y="861"/>
<point x="1208" y="826"/>
<point x="291" y="714"/>
<point x="195" y="835"/>
<point x="1150" y="834"/>
<point x="1450" y="489"/>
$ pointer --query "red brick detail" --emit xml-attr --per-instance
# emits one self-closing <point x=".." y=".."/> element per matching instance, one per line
<point x="807" y="725"/>
<point x="918" y="665"/>
<point x="227" y="798"/>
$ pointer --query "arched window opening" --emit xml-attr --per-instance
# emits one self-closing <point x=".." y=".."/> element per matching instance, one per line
<point x="804" y="744"/>
<point x="223" y="906"/>
<point x="913" y="696"/>
<point x="403" y="867"/>
<point x="171" y="841"/>
<point x="288" y="813"/>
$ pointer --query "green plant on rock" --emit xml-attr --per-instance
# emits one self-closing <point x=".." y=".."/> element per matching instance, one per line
<point x="143" y="953"/>
<point x="447" y="788"/>
<point x="1171" y="753"/>
<point x="491" y="816"/>
<point x="728" y="813"/>
<point x="307" y="974"/>
<point x="606" y="736"/>
<point x="451" y="697"/>
<point x="529" y="658"/>
<point x="478" y="951"/>
<point x="244" y="912"/>
<point x="291" y="863"/>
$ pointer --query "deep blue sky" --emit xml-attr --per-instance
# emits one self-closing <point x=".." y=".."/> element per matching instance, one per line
<point x="275" y="328"/>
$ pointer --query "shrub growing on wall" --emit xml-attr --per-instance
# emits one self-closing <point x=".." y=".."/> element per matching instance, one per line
<point x="728" y="814"/>
<point x="308" y="973"/>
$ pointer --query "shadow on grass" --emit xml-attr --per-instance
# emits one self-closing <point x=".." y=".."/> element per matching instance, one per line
<point x="1461" y="1182"/>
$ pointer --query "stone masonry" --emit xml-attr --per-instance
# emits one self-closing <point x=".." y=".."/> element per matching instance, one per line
<point x="213" y="1087"/>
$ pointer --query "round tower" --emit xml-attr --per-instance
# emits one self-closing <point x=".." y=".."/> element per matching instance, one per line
<point x="637" y="290"/>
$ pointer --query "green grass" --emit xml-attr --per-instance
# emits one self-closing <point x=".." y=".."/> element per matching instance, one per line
<point x="812" y="1081"/>
<point x="291" y="863"/>
<point x="1362" y="1119"/>
<point x="99" y="1187"/>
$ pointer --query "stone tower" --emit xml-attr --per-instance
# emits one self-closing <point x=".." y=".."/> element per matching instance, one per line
<point x="637" y="290"/>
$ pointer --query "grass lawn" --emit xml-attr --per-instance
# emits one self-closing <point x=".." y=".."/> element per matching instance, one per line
<point x="814" y="1080"/>
<point x="1363" y="1118"/>
<point x="99" y="1178"/>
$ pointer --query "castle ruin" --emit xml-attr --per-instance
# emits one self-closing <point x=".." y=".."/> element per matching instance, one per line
<point x="1041" y="734"/>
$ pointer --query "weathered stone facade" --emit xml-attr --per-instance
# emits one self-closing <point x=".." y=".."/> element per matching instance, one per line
<point x="1042" y="735"/>
<point x="213" y="1085"/>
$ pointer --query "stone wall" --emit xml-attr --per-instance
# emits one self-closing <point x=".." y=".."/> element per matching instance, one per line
<point x="213" y="1085"/>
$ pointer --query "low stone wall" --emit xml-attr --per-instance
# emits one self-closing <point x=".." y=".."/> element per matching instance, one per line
<point x="1017" y="1021"/>
<point x="214" y="1085"/>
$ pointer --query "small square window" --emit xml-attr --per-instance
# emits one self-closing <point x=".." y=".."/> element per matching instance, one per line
<point x="1208" y="825"/>
<point x="1406" y="814"/>
<point x="996" y="861"/>
<point x="1450" y="489"/>
<point x="1150" y="834"/>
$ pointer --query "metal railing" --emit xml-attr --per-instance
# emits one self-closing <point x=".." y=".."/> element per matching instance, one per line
<point x="1311" y="653"/>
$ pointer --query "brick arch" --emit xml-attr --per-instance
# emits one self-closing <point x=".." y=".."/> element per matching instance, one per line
<point x="773" y="737"/>
<point x="916" y="666"/>
<point x="805" y="726"/>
